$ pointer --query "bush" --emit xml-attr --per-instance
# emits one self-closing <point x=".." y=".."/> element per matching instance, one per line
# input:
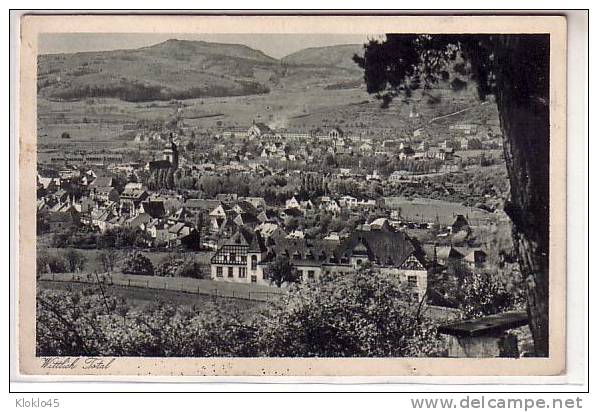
<point x="137" y="264"/>
<point x="484" y="295"/>
<point x="362" y="314"/>
<point x="50" y="263"/>
<point x="177" y="265"/>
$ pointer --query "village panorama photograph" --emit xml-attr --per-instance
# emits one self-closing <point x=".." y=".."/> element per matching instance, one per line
<point x="292" y="195"/>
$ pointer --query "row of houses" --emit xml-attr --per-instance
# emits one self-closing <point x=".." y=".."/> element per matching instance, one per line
<point x="246" y="255"/>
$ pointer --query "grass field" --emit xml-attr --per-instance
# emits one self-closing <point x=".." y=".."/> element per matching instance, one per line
<point x="426" y="210"/>
<point x="181" y="284"/>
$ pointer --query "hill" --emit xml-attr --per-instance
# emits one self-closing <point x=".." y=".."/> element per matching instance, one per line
<point x="181" y="69"/>
<point x="99" y="97"/>
<point x="332" y="56"/>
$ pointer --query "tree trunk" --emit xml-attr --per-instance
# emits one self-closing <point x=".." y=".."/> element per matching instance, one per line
<point x="522" y="69"/>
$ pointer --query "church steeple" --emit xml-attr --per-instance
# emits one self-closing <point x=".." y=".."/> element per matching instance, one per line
<point x="171" y="152"/>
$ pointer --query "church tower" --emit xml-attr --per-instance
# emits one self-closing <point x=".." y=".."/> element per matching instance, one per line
<point x="171" y="153"/>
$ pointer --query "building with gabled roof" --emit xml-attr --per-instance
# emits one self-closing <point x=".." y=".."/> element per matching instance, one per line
<point x="259" y="130"/>
<point x="236" y="260"/>
<point x="393" y="253"/>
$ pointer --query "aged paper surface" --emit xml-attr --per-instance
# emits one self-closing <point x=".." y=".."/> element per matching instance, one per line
<point x="33" y="26"/>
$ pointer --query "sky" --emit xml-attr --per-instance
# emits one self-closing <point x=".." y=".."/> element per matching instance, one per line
<point x="274" y="45"/>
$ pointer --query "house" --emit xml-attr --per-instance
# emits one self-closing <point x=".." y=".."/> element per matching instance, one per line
<point x="115" y="221"/>
<point x="221" y="216"/>
<point x="245" y="256"/>
<point x="256" y="202"/>
<point x="381" y="223"/>
<point x="447" y="254"/>
<point x="181" y="215"/>
<point x="138" y="222"/>
<point x="292" y="203"/>
<point x="102" y="181"/>
<point x="158" y="231"/>
<point x="238" y="258"/>
<point x="269" y="216"/>
<point x="177" y="232"/>
<point x="476" y="259"/>
<point x="131" y="198"/>
<point x="48" y="179"/>
<point x="243" y="206"/>
<point x="259" y="130"/>
<point x="200" y="206"/>
<point x="329" y="205"/>
<point x="297" y="202"/>
<point x="270" y="231"/>
<point x="104" y="194"/>
<point x="348" y="201"/>
<point x="248" y="220"/>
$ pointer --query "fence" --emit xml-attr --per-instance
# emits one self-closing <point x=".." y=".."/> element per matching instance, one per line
<point x="192" y="286"/>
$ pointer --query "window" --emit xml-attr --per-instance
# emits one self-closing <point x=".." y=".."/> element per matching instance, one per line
<point x="242" y="272"/>
<point x="253" y="279"/>
<point x="300" y="274"/>
<point x="310" y="274"/>
<point x="230" y="272"/>
<point x="219" y="271"/>
<point x="412" y="280"/>
<point x="359" y="261"/>
<point x="243" y="259"/>
<point x="416" y="297"/>
<point x="253" y="262"/>
<point x="233" y="256"/>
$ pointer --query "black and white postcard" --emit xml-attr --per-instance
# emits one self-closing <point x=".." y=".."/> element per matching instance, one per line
<point x="292" y="195"/>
